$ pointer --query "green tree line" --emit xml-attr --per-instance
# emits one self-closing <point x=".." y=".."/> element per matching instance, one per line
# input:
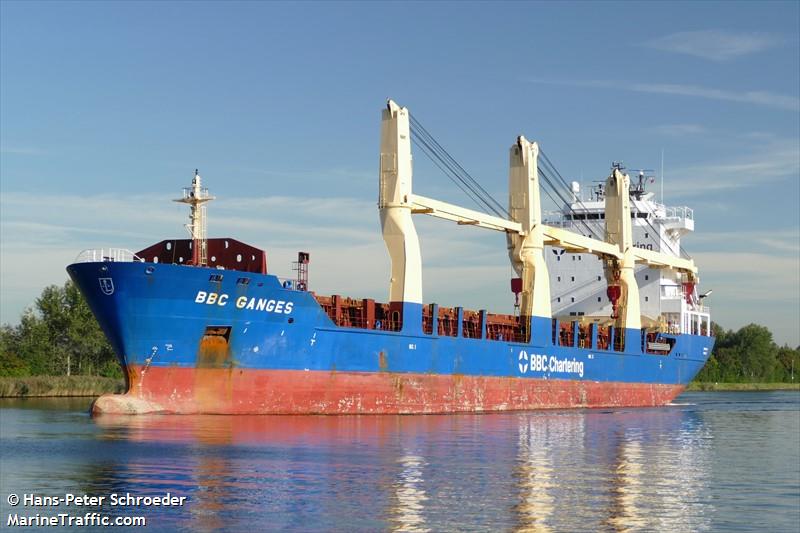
<point x="60" y="336"/>
<point x="749" y="355"/>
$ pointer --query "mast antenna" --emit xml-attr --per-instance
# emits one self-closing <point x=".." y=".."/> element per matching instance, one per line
<point x="197" y="196"/>
<point x="662" y="175"/>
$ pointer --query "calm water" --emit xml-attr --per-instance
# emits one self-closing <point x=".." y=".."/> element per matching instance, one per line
<point x="714" y="461"/>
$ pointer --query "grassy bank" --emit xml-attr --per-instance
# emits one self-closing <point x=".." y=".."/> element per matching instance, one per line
<point x="41" y="386"/>
<point x="703" y="386"/>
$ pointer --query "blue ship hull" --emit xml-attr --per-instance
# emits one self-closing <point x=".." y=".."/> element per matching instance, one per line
<point x="195" y="339"/>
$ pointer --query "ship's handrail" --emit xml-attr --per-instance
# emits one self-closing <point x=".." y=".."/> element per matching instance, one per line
<point x="679" y="212"/>
<point x="107" y="255"/>
<point x="558" y="219"/>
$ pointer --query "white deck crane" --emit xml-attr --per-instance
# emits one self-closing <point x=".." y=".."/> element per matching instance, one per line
<point x="399" y="232"/>
<point x="526" y="233"/>
<point x="526" y="246"/>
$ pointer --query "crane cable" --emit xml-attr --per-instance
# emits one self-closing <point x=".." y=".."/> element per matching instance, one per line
<point x="656" y="235"/>
<point x="549" y="164"/>
<point x="548" y="173"/>
<point x="442" y="158"/>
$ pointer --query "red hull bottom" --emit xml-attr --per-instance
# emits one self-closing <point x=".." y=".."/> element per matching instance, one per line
<point x="233" y="391"/>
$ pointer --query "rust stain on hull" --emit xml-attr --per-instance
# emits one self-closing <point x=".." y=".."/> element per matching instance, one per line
<point x="213" y="352"/>
<point x="213" y="377"/>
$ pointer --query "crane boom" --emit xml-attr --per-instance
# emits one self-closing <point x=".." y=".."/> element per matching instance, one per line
<point x="526" y="232"/>
<point x="462" y="216"/>
<point x="569" y="240"/>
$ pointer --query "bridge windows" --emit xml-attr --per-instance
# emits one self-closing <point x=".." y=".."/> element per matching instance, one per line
<point x="586" y="216"/>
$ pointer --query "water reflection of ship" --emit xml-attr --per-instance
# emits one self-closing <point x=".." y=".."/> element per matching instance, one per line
<point x="210" y="480"/>
<point x="236" y="462"/>
<point x="564" y="471"/>
<point x="639" y="470"/>
<point x="535" y="470"/>
<point x="409" y="495"/>
<point x="661" y="470"/>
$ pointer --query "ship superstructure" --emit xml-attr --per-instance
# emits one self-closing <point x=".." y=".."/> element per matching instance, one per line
<point x="201" y="326"/>
<point x="667" y="300"/>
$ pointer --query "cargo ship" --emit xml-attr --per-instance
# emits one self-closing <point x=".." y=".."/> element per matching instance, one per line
<point x="201" y="326"/>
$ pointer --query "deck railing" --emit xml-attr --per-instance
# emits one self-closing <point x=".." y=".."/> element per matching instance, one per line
<point x="107" y="255"/>
<point x="679" y="212"/>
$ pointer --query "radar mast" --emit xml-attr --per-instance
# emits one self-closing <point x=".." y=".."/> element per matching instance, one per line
<point x="197" y="196"/>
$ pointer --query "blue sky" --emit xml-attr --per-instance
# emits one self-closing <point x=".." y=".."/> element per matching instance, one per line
<point x="106" y="109"/>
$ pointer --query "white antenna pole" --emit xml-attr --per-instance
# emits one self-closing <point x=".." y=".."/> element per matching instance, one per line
<point x="662" y="175"/>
